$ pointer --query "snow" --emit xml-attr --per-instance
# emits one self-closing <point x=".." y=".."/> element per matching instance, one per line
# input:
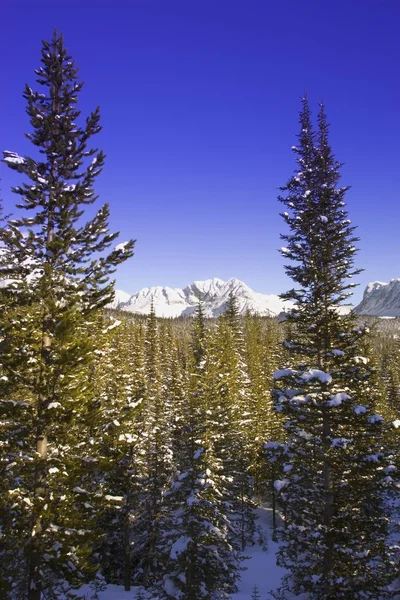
<point x="279" y="484"/>
<point x="120" y="298"/>
<point x="381" y="299"/>
<point x="260" y="570"/>
<point x="179" y="546"/>
<point x="121" y="247"/>
<point x="361" y="359"/>
<point x="338" y="399"/>
<point x="79" y="490"/>
<point x="283" y="373"/>
<point x="316" y="374"/>
<point x="375" y="419"/>
<point x="391" y="469"/>
<point x="214" y="293"/>
<point x="341" y="442"/>
<point x="113" y="325"/>
<point x="374" y="285"/>
<point x="360" y="410"/>
<point x="338" y="352"/>
<point x="114" y="498"/>
<point x="13" y="158"/>
<point x="113" y="592"/>
<point x="396" y="423"/>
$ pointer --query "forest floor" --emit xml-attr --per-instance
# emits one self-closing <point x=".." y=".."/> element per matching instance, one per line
<point x="259" y="570"/>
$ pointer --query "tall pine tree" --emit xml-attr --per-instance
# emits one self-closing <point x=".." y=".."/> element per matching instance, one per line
<point x="334" y="541"/>
<point x="60" y="270"/>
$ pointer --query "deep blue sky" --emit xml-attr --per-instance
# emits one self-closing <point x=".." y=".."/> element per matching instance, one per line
<point x="199" y="102"/>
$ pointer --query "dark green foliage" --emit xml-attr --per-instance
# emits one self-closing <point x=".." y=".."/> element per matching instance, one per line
<point x="201" y="557"/>
<point x="332" y="481"/>
<point x="133" y="450"/>
<point x="59" y="279"/>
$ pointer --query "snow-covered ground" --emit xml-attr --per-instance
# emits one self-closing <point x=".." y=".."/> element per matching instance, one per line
<point x="260" y="570"/>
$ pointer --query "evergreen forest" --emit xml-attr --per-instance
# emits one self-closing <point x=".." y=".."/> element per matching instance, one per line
<point x="137" y="451"/>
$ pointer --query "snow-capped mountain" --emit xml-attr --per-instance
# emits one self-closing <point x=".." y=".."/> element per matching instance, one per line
<point x="119" y="298"/>
<point x="381" y="299"/>
<point x="176" y="302"/>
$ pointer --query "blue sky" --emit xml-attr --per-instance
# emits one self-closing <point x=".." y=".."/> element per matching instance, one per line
<point x="199" y="103"/>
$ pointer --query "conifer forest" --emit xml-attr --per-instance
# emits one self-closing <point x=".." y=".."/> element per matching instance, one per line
<point x="152" y="457"/>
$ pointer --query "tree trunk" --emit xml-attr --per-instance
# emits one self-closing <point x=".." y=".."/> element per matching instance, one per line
<point x="127" y="553"/>
<point x="35" y="553"/>
<point x="274" y="538"/>
<point x="127" y="534"/>
<point x="328" y="496"/>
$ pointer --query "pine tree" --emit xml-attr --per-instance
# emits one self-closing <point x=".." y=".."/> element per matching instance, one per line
<point x="261" y="346"/>
<point x="61" y="272"/>
<point x="334" y="454"/>
<point x="118" y="438"/>
<point x="255" y="594"/>
<point x="158" y="457"/>
<point x="233" y="423"/>
<point x="201" y="561"/>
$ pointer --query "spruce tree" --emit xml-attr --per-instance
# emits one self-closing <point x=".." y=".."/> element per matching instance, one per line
<point x="333" y="457"/>
<point x="60" y="269"/>
<point x="233" y="423"/>
<point x="158" y="458"/>
<point x="118" y="438"/>
<point x="201" y="559"/>
<point x="264" y="425"/>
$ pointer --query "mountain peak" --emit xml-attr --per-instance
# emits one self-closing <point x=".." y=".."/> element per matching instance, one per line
<point x="214" y="293"/>
<point x="381" y="299"/>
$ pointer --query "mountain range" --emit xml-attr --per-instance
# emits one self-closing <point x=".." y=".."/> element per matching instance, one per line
<point x="214" y="293"/>
<point x="380" y="299"/>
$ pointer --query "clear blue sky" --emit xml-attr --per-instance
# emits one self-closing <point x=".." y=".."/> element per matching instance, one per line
<point x="199" y="102"/>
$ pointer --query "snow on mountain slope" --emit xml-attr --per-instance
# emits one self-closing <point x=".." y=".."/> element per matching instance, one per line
<point x="175" y="302"/>
<point x="381" y="299"/>
<point x="119" y="297"/>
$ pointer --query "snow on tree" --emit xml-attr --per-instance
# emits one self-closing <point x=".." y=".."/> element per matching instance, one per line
<point x="59" y="278"/>
<point x="334" y="539"/>
<point x="201" y="560"/>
